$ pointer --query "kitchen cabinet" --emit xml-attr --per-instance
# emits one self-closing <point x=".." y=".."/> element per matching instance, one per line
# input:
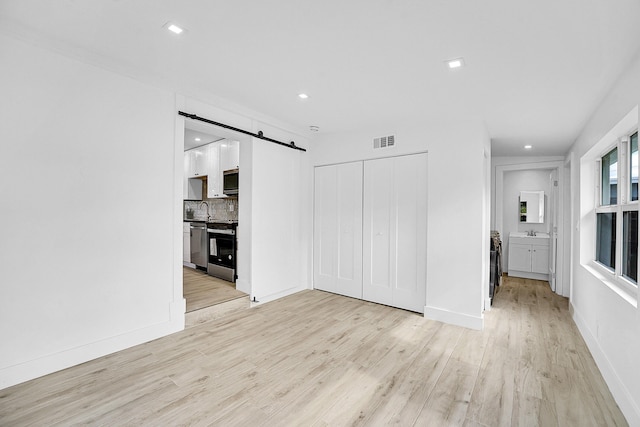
<point x="192" y="187"/>
<point x="337" y="236"/>
<point x="229" y="155"/>
<point x="222" y="155"/>
<point x="214" y="176"/>
<point x="186" y="243"/>
<point x="198" y="162"/>
<point x="529" y="257"/>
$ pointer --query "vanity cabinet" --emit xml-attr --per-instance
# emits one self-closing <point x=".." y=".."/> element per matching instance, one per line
<point x="529" y="257"/>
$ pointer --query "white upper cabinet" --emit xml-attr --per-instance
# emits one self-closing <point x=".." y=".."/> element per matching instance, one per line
<point x="191" y="187"/>
<point x="214" y="179"/>
<point x="229" y="155"/>
<point x="210" y="161"/>
<point x="223" y="155"/>
<point x="198" y="162"/>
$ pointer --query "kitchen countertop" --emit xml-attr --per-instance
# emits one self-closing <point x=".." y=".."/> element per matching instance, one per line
<point x="223" y="221"/>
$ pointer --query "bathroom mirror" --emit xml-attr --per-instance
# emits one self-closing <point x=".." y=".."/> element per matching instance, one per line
<point x="531" y="209"/>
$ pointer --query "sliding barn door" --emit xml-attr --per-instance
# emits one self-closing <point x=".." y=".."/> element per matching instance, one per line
<point x="395" y="231"/>
<point x="337" y="233"/>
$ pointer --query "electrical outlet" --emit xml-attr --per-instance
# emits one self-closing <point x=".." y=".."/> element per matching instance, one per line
<point x="230" y="207"/>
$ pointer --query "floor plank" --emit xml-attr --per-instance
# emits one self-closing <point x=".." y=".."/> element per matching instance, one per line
<point x="201" y="290"/>
<point x="316" y="358"/>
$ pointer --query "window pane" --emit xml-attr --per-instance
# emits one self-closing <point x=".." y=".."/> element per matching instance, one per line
<point x="634" y="166"/>
<point x="606" y="239"/>
<point x="610" y="178"/>
<point x="630" y="245"/>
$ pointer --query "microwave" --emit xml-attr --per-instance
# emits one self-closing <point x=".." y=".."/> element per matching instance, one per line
<point x="230" y="181"/>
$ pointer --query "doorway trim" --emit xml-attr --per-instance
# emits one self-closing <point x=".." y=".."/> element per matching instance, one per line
<point x="561" y="237"/>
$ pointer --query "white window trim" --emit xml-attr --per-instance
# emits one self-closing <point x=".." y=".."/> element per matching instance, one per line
<point x="614" y="278"/>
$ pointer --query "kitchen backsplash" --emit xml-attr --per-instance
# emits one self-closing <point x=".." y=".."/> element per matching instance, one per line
<point x="221" y="209"/>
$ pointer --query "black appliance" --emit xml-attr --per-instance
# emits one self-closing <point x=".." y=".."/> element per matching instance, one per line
<point x="222" y="250"/>
<point x="495" y="266"/>
<point x="230" y="182"/>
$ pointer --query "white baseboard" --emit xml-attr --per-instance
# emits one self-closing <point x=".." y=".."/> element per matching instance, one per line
<point x="48" y="364"/>
<point x="277" y="295"/>
<point x="487" y="304"/>
<point x="529" y="275"/>
<point x="454" y="318"/>
<point x="620" y="393"/>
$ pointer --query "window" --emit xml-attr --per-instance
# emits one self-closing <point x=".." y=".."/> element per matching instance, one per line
<point x="610" y="178"/>
<point x="634" y="166"/>
<point x="606" y="240"/>
<point x="617" y="210"/>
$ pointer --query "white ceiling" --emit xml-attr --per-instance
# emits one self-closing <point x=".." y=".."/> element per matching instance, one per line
<point x="535" y="70"/>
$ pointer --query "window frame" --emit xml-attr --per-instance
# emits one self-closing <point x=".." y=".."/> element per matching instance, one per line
<point x="624" y="204"/>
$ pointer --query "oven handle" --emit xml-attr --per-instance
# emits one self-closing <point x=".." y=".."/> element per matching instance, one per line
<point x="214" y="231"/>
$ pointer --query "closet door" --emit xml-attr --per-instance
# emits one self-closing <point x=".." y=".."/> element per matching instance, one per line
<point x="337" y="233"/>
<point x="395" y="231"/>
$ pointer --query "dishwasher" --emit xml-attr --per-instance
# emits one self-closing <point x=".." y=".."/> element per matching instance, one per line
<point x="199" y="253"/>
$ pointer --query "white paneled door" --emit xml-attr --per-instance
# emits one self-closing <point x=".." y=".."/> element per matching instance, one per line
<point x="338" y="229"/>
<point x="395" y="231"/>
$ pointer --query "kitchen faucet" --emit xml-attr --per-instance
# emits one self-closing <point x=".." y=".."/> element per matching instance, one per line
<point x="207" y="204"/>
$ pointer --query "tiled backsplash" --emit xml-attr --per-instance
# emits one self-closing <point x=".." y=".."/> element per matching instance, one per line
<point x="221" y="209"/>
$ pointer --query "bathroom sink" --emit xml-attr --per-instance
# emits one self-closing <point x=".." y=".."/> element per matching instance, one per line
<point x="539" y="235"/>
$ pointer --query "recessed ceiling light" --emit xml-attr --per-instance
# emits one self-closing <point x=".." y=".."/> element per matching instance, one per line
<point x="173" y="28"/>
<point x="528" y="147"/>
<point x="455" y="63"/>
<point x="303" y="96"/>
<point x="197" y="139"/>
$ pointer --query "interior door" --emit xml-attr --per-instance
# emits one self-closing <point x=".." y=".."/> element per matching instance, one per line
<point x="338" y="229"/>
<point x="395" y="231"/>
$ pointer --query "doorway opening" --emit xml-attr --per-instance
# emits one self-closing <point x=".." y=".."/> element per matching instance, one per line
<point x="546" y="256"/>
<point x="210" y="210"/>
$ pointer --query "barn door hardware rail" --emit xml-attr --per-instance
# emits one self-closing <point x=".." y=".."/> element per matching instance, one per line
<point x="259" y="135"/>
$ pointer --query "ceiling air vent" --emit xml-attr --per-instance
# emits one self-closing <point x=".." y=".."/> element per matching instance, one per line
<point x="384" y="141"/>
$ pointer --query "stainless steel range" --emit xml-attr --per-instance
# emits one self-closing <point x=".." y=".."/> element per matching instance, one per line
<point x="222" y="250"/>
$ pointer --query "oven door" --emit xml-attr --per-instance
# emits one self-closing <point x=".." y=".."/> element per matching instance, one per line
<point x="222" y="249"/>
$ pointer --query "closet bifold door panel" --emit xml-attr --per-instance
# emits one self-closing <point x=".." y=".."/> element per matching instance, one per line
<point x="395" y="231"/>
<point x="337" y="229"/>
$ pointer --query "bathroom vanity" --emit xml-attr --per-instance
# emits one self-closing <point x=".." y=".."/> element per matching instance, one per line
<point x="529" y="255"/>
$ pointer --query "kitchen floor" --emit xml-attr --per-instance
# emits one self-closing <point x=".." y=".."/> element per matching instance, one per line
<point x="201" y="290"/>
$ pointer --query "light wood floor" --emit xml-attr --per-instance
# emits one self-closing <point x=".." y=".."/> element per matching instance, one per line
<point x="314" y="358"/>
<point x="201" y="290"/>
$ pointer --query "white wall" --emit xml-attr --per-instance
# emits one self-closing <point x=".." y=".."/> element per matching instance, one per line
<point x="86" y="156"/>
<point x="91" y="200"/>
<point x="609" y="324"/>
<point x="499" y="162"/>
<point x="458" y="224"/>
<point x="515" y="182"/>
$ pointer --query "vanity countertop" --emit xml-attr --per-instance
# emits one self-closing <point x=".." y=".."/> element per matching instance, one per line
<point x="523" y="234"/>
